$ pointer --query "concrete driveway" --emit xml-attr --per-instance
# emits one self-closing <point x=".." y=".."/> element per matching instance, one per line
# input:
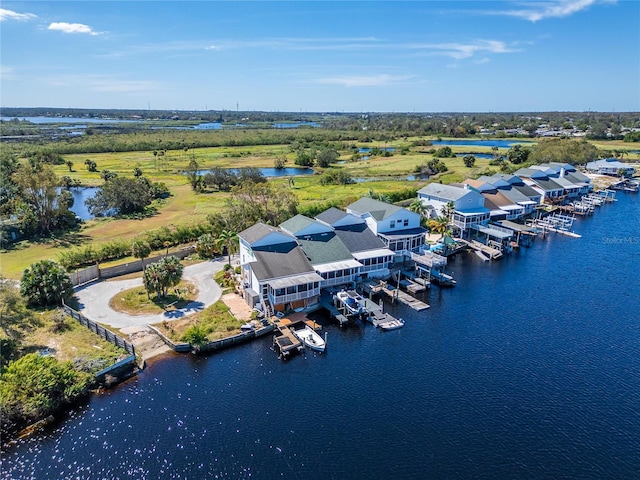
<point x="94" y="298"/>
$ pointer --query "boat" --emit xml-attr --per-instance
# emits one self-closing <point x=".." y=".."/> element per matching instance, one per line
<point x="391" y="324"/>
<point x="352" y="302"/>
<point x="310" y="338"/>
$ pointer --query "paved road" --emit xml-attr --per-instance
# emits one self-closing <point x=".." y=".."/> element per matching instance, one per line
<point x="94" y="298"/>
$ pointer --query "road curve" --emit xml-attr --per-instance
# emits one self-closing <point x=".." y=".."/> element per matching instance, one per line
<point x="93" y="299"/>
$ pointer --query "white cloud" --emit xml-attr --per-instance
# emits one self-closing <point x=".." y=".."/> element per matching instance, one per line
<point x="364" y="80"/>
<point x="6" y="72"/>
<point x="550" y="9"/>
<point x="65" y="27"/>
<point x="460" y="51"/>
<point x="103" y="83"/>
<point x="11" y="15"/>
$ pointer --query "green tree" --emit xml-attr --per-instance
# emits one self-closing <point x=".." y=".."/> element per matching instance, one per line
<point x="69" y="165"/>
<point x="140" y="249"/>
<point x="159" y="277"/>
<point x="34" y="386"/>
<point x="45" y="283"/>
<point x="206" y="245"/>
<point x="38" y="188"/>
<point x="518" y="154"/>
<point x="469" y="161"/>
<point x="193" y="174"/>
<point x="229" y="240"/>
<point x="107" y="175"/>
<point x="326" y="156"/>
<point x="137" y="172"/>
<point x="122" y="194"/>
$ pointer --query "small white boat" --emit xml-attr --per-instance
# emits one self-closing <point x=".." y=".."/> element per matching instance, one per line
<point x="310" y="338"/>
<point x="391" y="324"/>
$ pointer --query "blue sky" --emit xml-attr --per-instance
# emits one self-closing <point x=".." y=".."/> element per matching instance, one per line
<point x="422" y="56"/>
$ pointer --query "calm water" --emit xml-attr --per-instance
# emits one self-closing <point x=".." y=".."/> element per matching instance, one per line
<point x="273" y="172"/>
<point x="80" y="195"/>
<point x="480" y="143"/>
<point x="528" y="369"/>
<point x="41" y="120"/>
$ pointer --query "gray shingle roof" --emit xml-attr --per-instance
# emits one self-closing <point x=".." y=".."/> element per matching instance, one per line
<point x="281" y="264"/>
<point x="447" y="192"/>
<point x="359" y="238"/>
<point x="259" y="231"/>
<point x="378" y="210"/>
<point x="325" y="249"/>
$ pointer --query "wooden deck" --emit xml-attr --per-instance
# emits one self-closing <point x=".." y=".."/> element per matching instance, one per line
<point x="395" y="294"/>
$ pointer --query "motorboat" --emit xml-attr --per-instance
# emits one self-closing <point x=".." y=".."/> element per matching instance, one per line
<point x="391" y="324"/>
<point x="352" y="301"/>
<point x="310" y="338"/>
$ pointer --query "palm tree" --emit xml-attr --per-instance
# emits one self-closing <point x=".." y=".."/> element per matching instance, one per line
<point x="141" y="250"/>
<point x="172" y="273"/>
<point x="69" y="164"/>
<point x="420" y="208"/>
<point x="447" y="210"/>
<point x="417" y="206"/>
<point x="228" y="239"/>
<point x="439" y="225"/>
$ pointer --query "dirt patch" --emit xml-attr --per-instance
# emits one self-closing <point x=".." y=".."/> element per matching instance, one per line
<point x="146" y="342"/>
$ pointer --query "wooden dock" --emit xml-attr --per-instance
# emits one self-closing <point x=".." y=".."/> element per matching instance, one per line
<point x="493" y="253"/>
<point x="395" y="294"/>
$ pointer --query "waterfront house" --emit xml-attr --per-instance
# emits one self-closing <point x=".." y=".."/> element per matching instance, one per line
<point x="610" y="166"/>
<point x="500" y="206"/>
<point x="468" y="204"/>
<point x="275" y="271"/>
<point x="365" y="246"/>
<point x="512" y="187"/>
<point x="550" y="191"/>
<point x="397" y="227"/>
<point x="330" y="257"/>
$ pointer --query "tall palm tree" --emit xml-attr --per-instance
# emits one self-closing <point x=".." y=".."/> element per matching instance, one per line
<point x="228" y="239"/>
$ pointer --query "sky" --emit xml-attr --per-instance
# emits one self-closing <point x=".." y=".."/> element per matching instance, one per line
<point x="322" y="56"/>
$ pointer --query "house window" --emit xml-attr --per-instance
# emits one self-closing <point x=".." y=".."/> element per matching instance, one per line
<point x="406" y="222"/>
<point x="279" y="292"/>
<point x="291" y="290"/>
<point x="303" y="288"/>
<point x="392" y="224"/>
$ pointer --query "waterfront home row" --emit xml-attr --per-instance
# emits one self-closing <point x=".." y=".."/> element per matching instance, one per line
<point x="476" y="203"/>
<point x="285" y="267"/>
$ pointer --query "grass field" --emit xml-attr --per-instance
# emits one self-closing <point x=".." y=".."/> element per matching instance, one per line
<point x="380" y="174"/>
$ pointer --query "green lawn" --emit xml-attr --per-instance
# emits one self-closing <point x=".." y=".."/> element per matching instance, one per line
<point x="188" y="207"/>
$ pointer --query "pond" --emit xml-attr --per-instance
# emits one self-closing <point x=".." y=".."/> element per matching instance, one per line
<point x="480" y="143"/>
<point x="80" y="195"/>
<point x="368" y="150"/>
<point x="296" y="125"/>
<point x="271" y="172"/>
<point x="477" y="155"/>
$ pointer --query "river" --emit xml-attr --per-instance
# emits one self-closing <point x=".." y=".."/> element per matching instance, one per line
<point x="529" y="368"/>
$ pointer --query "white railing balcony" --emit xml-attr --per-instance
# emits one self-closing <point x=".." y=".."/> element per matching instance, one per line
<point x="294" y="297"/>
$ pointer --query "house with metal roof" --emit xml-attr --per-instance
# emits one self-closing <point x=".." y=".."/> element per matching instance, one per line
<point x="610" y="166"/>
<point x="514" y="188"/>
<point x="397" y="227"/>
<point x="468" y="204"/>
<point x="550" y="190"/>
<point x="275" y="271"/>
<point x="326" y="251"/>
